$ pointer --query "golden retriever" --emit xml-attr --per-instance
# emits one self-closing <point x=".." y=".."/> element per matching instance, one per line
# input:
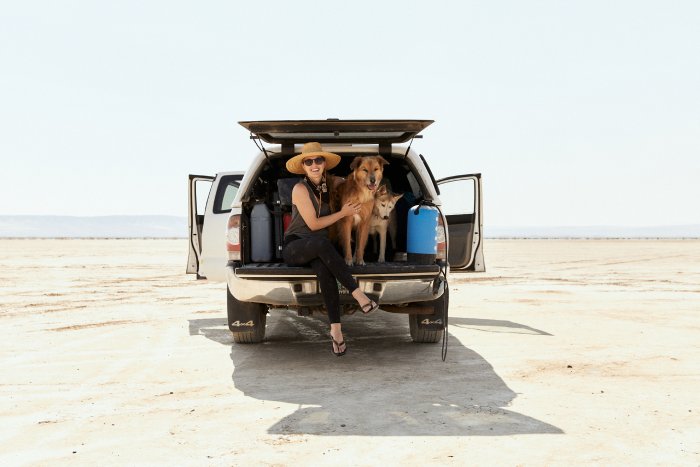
<point x="359" y="187"/>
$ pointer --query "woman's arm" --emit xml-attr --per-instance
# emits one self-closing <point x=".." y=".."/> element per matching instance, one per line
<point x="302" y="200"/>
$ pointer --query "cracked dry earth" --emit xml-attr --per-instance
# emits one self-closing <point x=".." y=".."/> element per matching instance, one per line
<point x="566" y="352"/>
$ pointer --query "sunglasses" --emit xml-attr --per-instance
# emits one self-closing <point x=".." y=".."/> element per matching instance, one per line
<point x="319" y="160"/>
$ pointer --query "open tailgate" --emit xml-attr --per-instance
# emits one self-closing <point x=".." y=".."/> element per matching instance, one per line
<point x="336" y="131"/>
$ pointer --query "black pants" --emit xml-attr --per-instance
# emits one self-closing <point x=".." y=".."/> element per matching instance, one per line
<point x="319" y="253"/>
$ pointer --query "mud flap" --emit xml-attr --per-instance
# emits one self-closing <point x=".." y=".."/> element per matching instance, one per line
<point x="247" y="322"/>
<point x="436" y="321"/>
<point x="243" y="316"/>
<point x="431" y="322"/>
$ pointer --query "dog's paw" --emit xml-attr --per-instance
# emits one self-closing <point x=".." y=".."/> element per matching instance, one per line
<point x="360" y="262"/>
<point x="381" y="260"/>
<point x="348" y="262"/>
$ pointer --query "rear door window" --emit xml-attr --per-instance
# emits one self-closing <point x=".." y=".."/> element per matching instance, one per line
<point x="226" y="192"/>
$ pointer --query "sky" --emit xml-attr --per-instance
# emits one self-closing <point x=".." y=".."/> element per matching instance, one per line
<point x="574" y="112"/>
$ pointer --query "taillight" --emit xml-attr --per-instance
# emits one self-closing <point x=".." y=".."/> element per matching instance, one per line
<point x="441" y="240"/>
<point x="233" y="238"/>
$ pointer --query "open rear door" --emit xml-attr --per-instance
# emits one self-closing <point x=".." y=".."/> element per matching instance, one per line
<point x="462" y="205"/>
<point x="195" y="219"/>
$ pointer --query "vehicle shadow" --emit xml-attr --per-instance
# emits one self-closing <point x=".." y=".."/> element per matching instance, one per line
<point x="385" y="385"/>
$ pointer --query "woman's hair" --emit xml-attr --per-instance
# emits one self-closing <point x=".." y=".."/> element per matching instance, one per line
<point x="332" y="198"/>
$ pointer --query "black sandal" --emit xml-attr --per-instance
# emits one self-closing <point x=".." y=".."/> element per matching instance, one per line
<point x="373" y="306"/>
<point x="338" y="344"/>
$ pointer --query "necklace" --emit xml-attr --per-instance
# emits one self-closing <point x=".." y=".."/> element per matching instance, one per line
<point x="321" y="188"/>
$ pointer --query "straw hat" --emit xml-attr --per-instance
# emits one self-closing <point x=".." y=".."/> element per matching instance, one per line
<point x="296" y="166"/>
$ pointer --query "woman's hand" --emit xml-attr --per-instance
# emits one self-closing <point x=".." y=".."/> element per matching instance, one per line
<point x="350" y="209"/>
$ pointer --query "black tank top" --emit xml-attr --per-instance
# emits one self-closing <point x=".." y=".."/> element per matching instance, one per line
<point x="297" y="227"/>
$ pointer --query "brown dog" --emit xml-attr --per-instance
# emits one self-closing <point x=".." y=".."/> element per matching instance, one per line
<point x="384" y="219"/>
<point x="359" y="187"/>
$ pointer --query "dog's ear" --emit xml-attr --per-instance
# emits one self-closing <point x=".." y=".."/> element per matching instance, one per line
<point x="381" y="191"/>
<point x="397" y="197"/>
<point x="382" y="161"/>
<point x="356" y="162"/>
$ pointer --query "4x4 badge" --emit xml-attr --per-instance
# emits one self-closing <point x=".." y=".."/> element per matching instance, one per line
<point x="239" y="324"/>
<point x="427" y="321"/>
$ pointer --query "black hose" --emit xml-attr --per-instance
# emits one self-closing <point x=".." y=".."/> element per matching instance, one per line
<point x="443" y="272"/>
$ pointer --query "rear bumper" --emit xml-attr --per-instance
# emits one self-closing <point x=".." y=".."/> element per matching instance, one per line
<point x="299" y="287"/>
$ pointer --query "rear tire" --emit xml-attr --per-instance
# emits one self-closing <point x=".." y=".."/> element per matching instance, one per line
<point x="430" y="336"/>
<point x="245" y="311"/>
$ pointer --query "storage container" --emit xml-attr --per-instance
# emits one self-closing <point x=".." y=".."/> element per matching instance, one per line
<point x="421" y="243"/>
<point x="261" y="248"/>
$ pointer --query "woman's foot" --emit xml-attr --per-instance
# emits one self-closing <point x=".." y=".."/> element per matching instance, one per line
<point x="339" y="348"/>
<point x="369" y="307"/>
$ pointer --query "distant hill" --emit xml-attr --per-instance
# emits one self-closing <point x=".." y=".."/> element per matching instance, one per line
<point x="672" y="231"/>
<point x="176" y="227"/>
<point x="90" y="227"/>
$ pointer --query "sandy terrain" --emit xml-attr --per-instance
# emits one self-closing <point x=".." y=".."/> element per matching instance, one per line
<point x="564" y="352"/>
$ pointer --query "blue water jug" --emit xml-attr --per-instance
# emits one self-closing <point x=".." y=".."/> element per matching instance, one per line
<point x="421" y="243"/>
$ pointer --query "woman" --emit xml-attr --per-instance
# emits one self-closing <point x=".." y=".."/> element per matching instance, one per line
<point x="306" y="239"/>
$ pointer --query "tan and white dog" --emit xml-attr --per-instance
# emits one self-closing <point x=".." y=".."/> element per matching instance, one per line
<point x="384" y="219"/>
<point x="359" y="187"/>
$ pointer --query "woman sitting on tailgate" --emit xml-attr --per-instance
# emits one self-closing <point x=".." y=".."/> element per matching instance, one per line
<point x="306" y="240"/>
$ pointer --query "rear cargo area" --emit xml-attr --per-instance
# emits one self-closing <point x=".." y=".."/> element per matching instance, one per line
<point x="269" y="201"/>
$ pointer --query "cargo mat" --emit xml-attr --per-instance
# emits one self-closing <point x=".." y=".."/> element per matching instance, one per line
<point x="280" y="271"/>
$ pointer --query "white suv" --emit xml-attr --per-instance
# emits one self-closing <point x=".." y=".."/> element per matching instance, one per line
<point x="220" y="236"/>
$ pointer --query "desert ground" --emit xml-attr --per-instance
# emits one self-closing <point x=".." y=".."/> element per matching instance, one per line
<point x="565" y="352"/>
